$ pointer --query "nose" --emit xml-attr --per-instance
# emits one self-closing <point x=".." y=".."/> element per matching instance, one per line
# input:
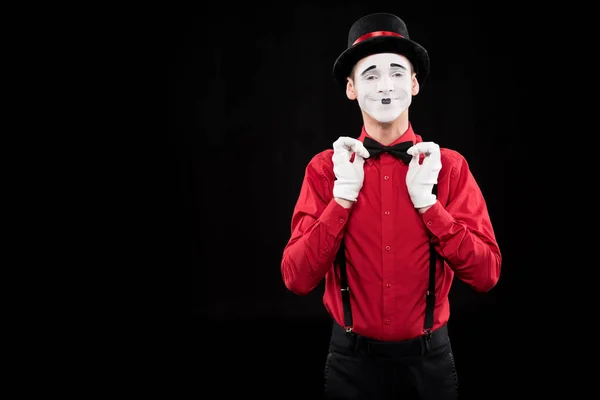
<point x="385" y="85"/>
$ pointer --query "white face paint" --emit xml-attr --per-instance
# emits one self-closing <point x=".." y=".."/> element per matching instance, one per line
<point x="383" y="86"/>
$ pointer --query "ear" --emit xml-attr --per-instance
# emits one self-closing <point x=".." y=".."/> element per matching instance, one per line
<point x="350" y="91"/>
<point x="415" y="85"/>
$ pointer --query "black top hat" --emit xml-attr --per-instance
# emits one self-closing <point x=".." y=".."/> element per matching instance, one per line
<point x="380" y="33"/>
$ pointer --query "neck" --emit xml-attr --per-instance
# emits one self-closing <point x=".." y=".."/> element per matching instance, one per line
<point x="386" y="133"/>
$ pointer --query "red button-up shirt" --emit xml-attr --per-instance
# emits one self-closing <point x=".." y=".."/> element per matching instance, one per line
<point x="387" y="243"/>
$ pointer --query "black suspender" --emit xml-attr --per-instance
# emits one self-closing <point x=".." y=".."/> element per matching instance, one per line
<point x="429" y="295"/>
<point x="341" y="259"/>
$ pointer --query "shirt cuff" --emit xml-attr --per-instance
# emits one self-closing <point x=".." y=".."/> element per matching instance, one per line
<point x="335" y="217"/>
<point x="437" y="219"/>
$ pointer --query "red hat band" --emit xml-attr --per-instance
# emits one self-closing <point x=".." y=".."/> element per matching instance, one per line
<point x="376" y="33"/>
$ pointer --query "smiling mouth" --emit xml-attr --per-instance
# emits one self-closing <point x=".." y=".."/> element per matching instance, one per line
<point x="386" y="101"/>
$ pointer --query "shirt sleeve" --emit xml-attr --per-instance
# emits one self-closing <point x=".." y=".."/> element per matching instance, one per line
<point x="318" y="222"/>
<point x="463" y="232"/>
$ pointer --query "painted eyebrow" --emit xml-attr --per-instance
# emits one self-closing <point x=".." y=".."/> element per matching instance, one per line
<point x="368" y="69"/>
<point x="374" y="66"/>
<point x="398" y="65"/>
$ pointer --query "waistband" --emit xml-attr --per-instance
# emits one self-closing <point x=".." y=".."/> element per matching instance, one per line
<point x="350" y="342"/>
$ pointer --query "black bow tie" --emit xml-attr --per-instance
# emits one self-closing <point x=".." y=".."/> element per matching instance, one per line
<point x="398" y="150"/>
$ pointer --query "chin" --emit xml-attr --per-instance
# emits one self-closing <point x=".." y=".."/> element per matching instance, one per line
<point x="386" y="119"/>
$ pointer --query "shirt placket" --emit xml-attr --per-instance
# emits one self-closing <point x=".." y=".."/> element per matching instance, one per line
<point x="387" y="198"/>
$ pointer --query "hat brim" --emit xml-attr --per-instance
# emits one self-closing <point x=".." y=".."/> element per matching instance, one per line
<point x="415" y="53"/>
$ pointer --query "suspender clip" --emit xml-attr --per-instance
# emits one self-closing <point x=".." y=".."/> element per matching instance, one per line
<point x="427" y="339"/>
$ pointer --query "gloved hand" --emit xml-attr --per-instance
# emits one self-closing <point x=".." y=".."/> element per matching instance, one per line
<point x="420" y="178"/>
<point x="349" y="175"/>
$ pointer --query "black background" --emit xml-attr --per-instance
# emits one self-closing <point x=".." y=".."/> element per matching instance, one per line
<point x="251" y="100"/>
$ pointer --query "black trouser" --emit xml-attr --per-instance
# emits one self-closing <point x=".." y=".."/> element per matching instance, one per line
<point x="361" y="368"/>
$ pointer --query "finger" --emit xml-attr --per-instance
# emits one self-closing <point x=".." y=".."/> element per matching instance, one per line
<point x="359" y="161"/>
<point x="343" y="142"/>
<point x="414" y="162"/>
<point x="349" y="144"/>
<point x="423" y="148"/>
<point x="341" y="153"/>
<point x="432" y="162"/>
<point x="356" y="146"/>
<point x="360" y="149"/>
<point x="340" y="156"/>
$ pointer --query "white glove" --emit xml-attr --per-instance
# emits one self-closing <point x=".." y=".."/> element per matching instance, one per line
<point x="421" y="178"/>
<point x="349" y="175"/>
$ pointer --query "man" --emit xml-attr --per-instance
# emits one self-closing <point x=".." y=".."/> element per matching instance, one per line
<point x="388" y="220"/>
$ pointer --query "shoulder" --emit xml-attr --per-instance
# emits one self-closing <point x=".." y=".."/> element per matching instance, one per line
<point x="454" y="162"/>
<point x="452" y="157"/>
<point x="321" y="164"/>
<point x="449" y="157"/>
